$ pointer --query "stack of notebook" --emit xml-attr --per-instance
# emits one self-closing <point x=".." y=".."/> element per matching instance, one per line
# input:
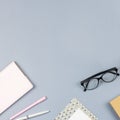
<point x="75" y="111"/>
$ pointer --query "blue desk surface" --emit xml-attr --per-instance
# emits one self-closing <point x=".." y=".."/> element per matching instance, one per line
<point x="58" y="43"/>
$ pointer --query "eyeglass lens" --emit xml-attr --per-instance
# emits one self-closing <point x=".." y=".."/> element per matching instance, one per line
<point x="109" y="76"/>
<point x="93" y="83"/>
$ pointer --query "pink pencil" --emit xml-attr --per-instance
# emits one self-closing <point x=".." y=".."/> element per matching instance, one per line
<point x="29" y="107"/>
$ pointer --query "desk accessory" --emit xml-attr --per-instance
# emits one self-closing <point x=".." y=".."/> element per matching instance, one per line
<point x="29" y="107"/>
<point x="115" y="103"/>
<point x="13" y="85"/>
<point x="33" y="115"/>
<point x="75" y="111"/>
<point x="106" y="76"/>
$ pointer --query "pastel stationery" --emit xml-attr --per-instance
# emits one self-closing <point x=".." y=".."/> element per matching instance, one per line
<point x="115" y="103"/>
<point x="75" y="111"/>
<point x="13" y="85"/>
<point x="29" y="107"/>
<point x="33" y="115"/>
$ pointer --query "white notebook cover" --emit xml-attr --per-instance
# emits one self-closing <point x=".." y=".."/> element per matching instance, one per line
<point x="13" y="85"/>
<point x="75" y="111"/>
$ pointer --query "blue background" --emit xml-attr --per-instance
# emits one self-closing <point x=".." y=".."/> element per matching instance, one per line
<point x="58" y="43"/>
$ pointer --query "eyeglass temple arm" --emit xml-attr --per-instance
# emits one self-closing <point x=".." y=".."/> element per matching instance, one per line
<point x="114" y="73"/>
<point x="85" y="87"/>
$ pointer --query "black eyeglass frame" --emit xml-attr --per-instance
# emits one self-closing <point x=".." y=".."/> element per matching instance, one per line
<point x="87" y="80"/>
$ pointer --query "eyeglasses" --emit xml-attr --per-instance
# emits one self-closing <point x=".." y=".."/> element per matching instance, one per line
<point x="106" y="76"/>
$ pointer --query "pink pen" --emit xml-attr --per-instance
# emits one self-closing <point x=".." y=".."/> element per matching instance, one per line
<point x="29" y="107"/>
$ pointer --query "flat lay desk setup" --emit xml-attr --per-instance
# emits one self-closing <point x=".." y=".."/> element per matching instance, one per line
<point x="59" y="59"/>
<point x="15" y="84"/>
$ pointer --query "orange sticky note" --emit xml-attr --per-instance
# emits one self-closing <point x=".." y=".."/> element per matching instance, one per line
<point x="115" y="103"/>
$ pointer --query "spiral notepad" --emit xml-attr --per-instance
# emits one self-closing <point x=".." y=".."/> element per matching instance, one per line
<point x="75" y="111"/>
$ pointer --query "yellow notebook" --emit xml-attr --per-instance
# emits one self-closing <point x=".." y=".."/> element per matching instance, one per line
<point x="115" y="103"/>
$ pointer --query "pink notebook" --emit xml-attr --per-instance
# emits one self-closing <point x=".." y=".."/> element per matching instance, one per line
<point x="13" y="85"/>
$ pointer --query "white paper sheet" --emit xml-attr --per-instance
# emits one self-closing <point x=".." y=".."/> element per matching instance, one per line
<point x="79" y="115"/>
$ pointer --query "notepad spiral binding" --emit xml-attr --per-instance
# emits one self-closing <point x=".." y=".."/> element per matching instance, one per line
<point x="71" y="108"/>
